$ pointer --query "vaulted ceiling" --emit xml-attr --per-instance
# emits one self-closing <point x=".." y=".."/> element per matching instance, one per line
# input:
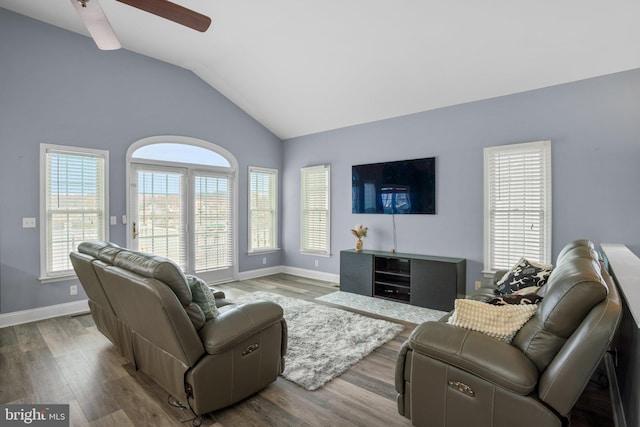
<point x="302" y="66"/>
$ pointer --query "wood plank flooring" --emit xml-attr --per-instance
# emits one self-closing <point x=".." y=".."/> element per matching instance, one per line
<point x="67" y="360"/>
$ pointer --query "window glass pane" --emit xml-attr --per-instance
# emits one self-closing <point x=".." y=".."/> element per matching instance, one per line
<point x="518" y="204"/>
<point x="213" y="228"/>
<point x="74" y="205"/>
<point x="161" y="214"/>
<point x="315" y="209"/>
<point x="181" y="153"/>
<point x="262" y="209"/>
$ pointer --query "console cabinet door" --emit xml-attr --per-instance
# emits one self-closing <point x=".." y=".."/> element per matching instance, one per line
<point x="356" y="273"/>
<point x="433" y="284"/>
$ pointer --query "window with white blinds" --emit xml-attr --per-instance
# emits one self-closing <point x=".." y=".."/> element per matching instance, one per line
<point x="517" y="204"/>
<point x="213" y="216"/>
<point x="73" y="204"/>
<point x="161" y="212"/>
<point x="315" y="189"/>
<point x="263" y="214"/>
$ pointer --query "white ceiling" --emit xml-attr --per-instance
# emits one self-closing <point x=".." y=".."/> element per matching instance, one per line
<point x="303" y="66"/>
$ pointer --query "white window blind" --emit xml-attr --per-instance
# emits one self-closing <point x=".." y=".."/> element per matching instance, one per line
<point x="161" y="211"/>
<point x="517" y="204"/>
<point x="315" y="188"/>
<point x="73" y="204"/>
<point x="213" y="216"/>
<point x="262" y="209"/>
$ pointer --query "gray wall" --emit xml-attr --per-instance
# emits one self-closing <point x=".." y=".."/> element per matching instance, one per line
<point x="594" y="126"/>
<point x="57" y="87"/>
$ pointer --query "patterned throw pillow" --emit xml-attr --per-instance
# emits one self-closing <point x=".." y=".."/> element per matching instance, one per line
<point x="202" y="296"/>
<point x="514" y="299"/>
<point x="523" y="275"/>
<point x="498" y="321"/>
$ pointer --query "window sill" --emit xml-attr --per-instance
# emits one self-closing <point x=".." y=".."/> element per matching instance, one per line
<point x="264" y="251"/>
<point x="320" y="254"/>
<point x="488" y="273"/>
<point x="62" y="278"/>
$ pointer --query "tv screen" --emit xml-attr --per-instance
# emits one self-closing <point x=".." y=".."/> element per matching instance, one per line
<point x="400" y="187"/>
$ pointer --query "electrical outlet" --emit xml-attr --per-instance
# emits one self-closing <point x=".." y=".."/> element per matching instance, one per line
<point x="478" y="284"/>
<point x="73" y="290"/>
<point x="316" y="263"/>
<point x="264" y="261"/>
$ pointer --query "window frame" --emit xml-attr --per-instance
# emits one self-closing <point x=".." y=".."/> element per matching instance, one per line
<point x="45" y="149"/>
<point x="273" y="173"/>
<point x="304" y="249"/>
<point x="232" y="171"/>
<point x="543" y="149"/>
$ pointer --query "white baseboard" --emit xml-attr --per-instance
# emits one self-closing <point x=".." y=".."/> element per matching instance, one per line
<point x="261" y="272"/>
<point x="312" y="274"/>
<point x="309" y="274"/>
<point x="42" y="313"/>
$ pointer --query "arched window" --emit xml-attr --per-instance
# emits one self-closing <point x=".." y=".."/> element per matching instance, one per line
<point x="182" y="204"/>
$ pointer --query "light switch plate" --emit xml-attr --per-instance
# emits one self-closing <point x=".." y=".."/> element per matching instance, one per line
<point x="28" y="223"/>
<point x="114" y="220"/>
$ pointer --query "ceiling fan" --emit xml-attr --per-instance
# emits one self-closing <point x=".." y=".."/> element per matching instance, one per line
<point x="102" y="33"/>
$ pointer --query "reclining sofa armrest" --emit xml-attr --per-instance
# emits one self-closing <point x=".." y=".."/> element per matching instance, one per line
<point x="400" y="364"/>
<point x="217" y="293"/>
<point x="488" y="358"/>
<point x="237" y="324"/>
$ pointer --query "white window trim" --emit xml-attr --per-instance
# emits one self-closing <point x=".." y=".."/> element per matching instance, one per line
<point x="545" y="148"/>
<point x="275" y="247"/>
<point x="44" y="149"/>
<point x="327" y="252"/>
<point x="179" y="139"/>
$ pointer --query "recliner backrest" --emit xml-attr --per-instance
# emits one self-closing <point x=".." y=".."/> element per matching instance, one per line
<point x="83" y="266"/>
<point x="164" y="341"/>
<point x="562" y="382"/>
<point x="167" y="272"/>
<point x="153" y="311"/>
<point x="574" y="287"/>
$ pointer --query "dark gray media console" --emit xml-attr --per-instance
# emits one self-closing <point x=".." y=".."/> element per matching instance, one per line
<point x="422" y="280"/>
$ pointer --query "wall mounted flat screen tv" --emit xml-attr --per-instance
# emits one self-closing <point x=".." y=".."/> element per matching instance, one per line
<point x="399" y="187"/>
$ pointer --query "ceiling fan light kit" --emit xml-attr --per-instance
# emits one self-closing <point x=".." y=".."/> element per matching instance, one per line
<point x="97" y="24"/>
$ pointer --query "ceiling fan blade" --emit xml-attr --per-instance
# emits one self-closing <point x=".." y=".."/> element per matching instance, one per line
<point x="172" y="12"/>
<point x="97" y="24"/>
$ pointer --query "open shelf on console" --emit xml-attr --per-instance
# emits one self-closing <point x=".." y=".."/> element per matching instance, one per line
<point x="423" y="280"/>
<point x="392" y="278"/>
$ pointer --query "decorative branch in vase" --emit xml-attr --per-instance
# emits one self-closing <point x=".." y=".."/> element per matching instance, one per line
<point x="359" y="231"/>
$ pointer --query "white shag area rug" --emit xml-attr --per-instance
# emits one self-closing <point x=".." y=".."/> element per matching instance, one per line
<point x="324" y="341"/>
<point x="382" y="307"/>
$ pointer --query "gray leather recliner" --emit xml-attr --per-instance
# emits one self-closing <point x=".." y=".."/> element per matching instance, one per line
<point x="143" y="304"/>
<point x="455" y="377"/>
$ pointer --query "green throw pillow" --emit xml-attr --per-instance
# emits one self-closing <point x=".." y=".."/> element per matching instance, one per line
<point x="203" y="296"/>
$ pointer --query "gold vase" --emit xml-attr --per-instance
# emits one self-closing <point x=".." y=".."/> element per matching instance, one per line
<point x="359" y="245"/>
